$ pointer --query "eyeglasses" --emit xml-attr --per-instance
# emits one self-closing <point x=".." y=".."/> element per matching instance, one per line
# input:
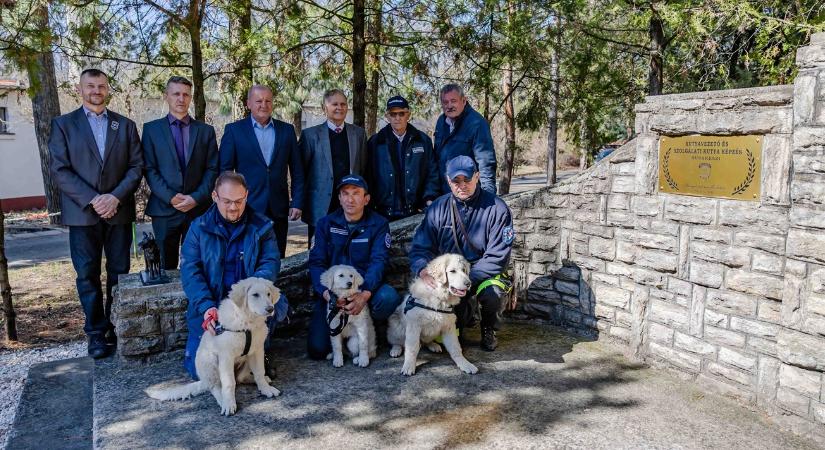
<point x="226" y="202"/>
<point x="397" y="113"/>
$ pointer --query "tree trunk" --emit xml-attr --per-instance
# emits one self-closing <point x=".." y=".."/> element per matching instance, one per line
<point x="5" y="285"/>
<point x="553" y="111"/>
<point x="509" y="131"/>
<point x="246" y="78"/>
<point x="359" y="75"/>
<point x="487" y="70"/>
<point x="584" y="146"/>
<point x="375" y="31"/>
<point x="195" y="20"/>
<point x="297" y="120"/>
<point x="657" y="48"/>
<point x="45" y="107"/>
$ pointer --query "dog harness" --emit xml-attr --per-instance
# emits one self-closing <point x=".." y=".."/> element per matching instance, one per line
<point x="247" y="334"/>
<point x="412" y="303"/>
<point x="333" y="311"/>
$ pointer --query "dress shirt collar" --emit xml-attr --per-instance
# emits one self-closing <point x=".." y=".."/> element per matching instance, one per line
<point x="186" y="119"/>
<point x="87" y="112"/>
<point x="255" y="123"/>
<point x="333" y="127"/>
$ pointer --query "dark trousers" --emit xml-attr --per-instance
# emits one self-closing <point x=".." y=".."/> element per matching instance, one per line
<point x="310" y="235"/>
<point x="170" y="231"/>
<point x="488" y="305"/>
<point x="87" y="243"/>
<point x="281" y="227"/>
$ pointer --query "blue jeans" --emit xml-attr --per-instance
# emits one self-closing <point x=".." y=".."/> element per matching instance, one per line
<point x="382" y="304"/>
<point x="196" y="333"/>
<point x="87" y="245"/>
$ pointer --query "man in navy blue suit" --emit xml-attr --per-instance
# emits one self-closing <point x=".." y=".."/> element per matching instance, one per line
<point x="262" y="148"/>
<point x="181" y="156"/>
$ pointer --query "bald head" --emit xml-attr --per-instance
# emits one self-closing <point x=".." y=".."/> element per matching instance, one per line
<point x="259" y="102"/>
<point x="258" y="88"/>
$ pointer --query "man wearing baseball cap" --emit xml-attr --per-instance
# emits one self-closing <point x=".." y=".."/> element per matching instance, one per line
<point x="403" y="174"/>
<point x="358" y="237"/>
<point x="477" y="224"/>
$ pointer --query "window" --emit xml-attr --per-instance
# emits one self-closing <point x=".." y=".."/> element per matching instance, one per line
<point x="4" y="120"/>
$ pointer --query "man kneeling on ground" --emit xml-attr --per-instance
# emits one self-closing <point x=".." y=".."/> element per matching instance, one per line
<point x="228" y="243"/>
<point x="477" y="224"/>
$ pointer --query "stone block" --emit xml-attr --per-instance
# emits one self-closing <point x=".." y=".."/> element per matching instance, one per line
<point x="684" y="252"/>
<point x="807" y="217"/>
<point x="649" y="277"/>
<point x="697" y="311"/>
<point x="611" y="295"/>
<point x="602" y="248"/>
<point x="731" y="303"/>
<point x="138" y="326"/>
<point x="796" y="268"/>
<point x="659" y="226"/>
<point x="646" y="206"/>
<point x="620" y="333"/>
<point x="810" y="57"/>
<point x="809" y="162"/>
<point x="715" y="319"/>
<point x="817" y="278"/>
<point x="814" y="324"/>
<point x="761" y="346"/>
<point x="706" y="274"/>
<point x="808" y="191"/>
<point x="769" y="311"/>
<point x="791" y="401"/>
<point x="764" y="219"/>
<point x="805" y="382"/>
<point x="605" y="278"/>
<point x="674" y="124"/>
<point x="623" y="184"/>
<point x="679" y="287"/>
<point x="623" y="168"/>
<point x="167" y="303"/>
<point x="660" y="333"/>
<point x="805" y="137"/>
<point x="724" y="337"/>
<point x="657" y="260"/>
<point x="792" y="295"/>
<point x="818" y="410"/>
<point x="769" y="243"/>
<point x="806" y="245"/>
<point x="624" y="318"/>
<point x="649" y="240"/>
<point x="804" y="106"/>
<point x="174" y="341"/>
<point x="135" y="307"/>
<point x="542" y="257"/>
<point x="767" y="263"/>
<point x="719" y="253"/>
<point x="728" y="373"/>
<point x="605" y="312"/>
<point x="172" y="322"/>
<point x="754" y="283"/>
<point x="690" y="210"/>
<point x="138" y="346"/>
<point x="668" y="314"/>
<point x="767" y="381"/>
<point x="815" y="304"/>
<point x="776" y="175"/>
<point x="693" y="345"/>
<point x="541" y="242"/>
<point x="737" y="359"/>
<point x="721" y="236"/>
<point x="727" y="389"/>
<point x="679" y="359"/>
<point x="598" y="230"/>
<point x="755" y="328"/>
<point x="801" y="350"/>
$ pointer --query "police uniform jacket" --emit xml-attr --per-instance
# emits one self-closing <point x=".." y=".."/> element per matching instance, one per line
<point x="470" y="137"/>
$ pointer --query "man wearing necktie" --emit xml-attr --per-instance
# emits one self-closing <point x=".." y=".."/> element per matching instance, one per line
<point x="262" y="149"/>
<point x="181" y="166"/>
<point x="97" y="163"/>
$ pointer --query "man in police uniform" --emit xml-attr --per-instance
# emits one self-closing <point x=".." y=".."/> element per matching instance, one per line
<point x="477" y="224"/>
<point x="403" y="175"/>
<point x="358" y="237"/>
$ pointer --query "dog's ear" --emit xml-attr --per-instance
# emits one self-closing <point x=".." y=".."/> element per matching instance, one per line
<point x="238" y="292"/>
<point x="275" y="293"/>
<point x="438" y="270"/>
<point x="326" y="278"/>
<point x="357" y="279"/>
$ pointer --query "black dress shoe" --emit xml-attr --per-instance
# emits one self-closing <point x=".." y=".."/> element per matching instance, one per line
<point x="111" y="338"/>
<point x="269" y="367"/>
<point x="488" y="339"/>
<point x="97" y="347"/>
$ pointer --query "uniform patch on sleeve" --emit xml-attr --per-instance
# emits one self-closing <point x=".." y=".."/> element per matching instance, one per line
<point x="508" y="234"/>
<point x="388" y="240"/>
<point x="418" y="150"/>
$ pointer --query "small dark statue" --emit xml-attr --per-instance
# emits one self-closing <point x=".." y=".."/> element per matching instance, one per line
<point x="151" y="257"/>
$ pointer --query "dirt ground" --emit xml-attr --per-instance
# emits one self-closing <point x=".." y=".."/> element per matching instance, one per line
<point x="46" y="303"/>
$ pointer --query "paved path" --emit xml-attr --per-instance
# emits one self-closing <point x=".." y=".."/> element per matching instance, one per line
<point x="541" y="389"/>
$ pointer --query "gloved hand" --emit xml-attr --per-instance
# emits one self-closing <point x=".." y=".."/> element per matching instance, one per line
<point x="210" y="319"/>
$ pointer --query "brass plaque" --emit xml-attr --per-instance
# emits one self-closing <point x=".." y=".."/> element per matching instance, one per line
<point x="711" y="166"/>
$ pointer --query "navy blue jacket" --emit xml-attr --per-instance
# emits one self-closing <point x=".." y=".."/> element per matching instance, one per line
<point x="268" y="190"/>
<point x="202" y="260"/>
<point x="421" y="177"/>
<point x="163" y="172"/>
<point x="470" y="137"/>
<point x="489" y="226"/>
<point x="366" y="249"/>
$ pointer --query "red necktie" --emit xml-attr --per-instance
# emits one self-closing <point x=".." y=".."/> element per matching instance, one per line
<point x="338" y="130"/>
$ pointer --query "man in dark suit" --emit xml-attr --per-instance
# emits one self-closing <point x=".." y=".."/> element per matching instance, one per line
<point x="261" y="148"/>
<point x="330" y="151"/>
<point x="97" y="163"/>
<point x="181" y="166"/>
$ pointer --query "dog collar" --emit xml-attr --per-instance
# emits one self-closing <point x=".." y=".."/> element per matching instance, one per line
<point x="333" y="308"/>
<point x="247" y="335"/>
<point x="412" y="303"/>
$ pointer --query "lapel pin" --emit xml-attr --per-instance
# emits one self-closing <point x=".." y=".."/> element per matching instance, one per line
<point x="115" y="125"/>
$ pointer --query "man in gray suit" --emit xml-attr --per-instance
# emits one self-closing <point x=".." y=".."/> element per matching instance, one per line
<point x="330" y="151"/>
<point x="97" y="163"/>
<point x="181" y="166"/>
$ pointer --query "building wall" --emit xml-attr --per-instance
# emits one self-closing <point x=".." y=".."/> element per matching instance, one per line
<point x="21" y="182"/>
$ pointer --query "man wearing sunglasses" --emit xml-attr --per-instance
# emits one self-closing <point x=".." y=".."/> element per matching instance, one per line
<point x="403" y="174"/>
<point x="228" y="243"/>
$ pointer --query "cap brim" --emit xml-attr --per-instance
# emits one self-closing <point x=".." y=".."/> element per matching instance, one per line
<point x="461" y="172"/>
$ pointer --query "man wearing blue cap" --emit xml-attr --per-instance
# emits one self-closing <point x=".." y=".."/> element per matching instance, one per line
<point x="403" y="174"/>
<point x="461" y="130"/>
<point x="477" y="224"/>
<point x="358" y="237"/>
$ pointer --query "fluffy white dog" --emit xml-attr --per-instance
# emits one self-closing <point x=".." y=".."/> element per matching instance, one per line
<point x="230" y="356"/>
<point x="344" y="281"/>
<point x="427" y="313"/>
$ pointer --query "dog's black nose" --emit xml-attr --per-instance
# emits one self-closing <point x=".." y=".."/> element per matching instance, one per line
<point x="467" y="285"/>
<point x="349" y="284"/>
<point x="269" y="309"/>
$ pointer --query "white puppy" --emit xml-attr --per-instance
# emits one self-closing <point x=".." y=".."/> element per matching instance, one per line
<point x="220" y="358"/>
<point x="344" y="281"/>
<point x="427" y="313"/>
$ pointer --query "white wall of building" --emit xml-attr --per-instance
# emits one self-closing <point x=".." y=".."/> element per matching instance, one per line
<point x="20" y="174"/>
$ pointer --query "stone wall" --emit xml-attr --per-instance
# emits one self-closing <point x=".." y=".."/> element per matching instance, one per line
<point x="730" y="293"/>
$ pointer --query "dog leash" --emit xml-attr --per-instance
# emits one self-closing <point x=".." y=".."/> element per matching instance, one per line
<point x="412" y="303"/>
<point x="247" y="334"/>
<point x="334" y="309"/>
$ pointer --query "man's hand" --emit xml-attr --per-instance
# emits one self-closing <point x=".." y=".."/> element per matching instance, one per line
<point x="294" y="213"/>
<point x="427" y="278"/>
<point x="357" y="302"/>
<point x="210" y="319"/>
<point x="105" y="205"/>
<point x="326" y="295"/>
<point x="184" y="202"/>
<point x="429" y="202"/>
